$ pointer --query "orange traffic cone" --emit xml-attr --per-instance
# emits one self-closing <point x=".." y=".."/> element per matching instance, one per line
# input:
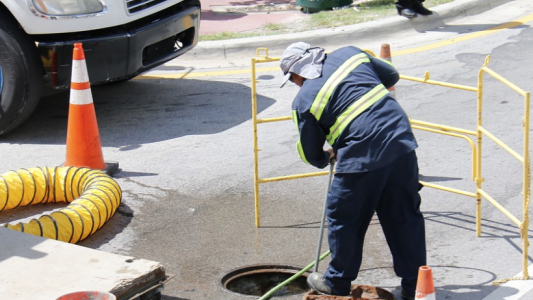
<point x="425" y="290"/>
<point x="385" y="54"/>
<point x="83" y="139"/>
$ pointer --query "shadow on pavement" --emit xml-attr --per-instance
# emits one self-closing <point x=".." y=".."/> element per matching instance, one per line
<point x="138" y="112"/>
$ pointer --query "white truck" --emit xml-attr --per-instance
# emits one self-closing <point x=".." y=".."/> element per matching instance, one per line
<point x="121" y="39"/>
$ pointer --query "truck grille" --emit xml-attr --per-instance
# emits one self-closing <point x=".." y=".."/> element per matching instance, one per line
<point x="135" y="6"/>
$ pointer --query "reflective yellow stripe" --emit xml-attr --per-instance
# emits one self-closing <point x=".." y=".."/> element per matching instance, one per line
<point x="299" y="148"/>
<point x="327" y="89"/>
<point x="354" y="110"/>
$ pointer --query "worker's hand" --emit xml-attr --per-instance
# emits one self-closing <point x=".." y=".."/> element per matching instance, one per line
<point x="332" y="156"/>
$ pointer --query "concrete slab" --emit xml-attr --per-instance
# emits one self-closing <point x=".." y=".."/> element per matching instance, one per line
<point x="42" y="269"/>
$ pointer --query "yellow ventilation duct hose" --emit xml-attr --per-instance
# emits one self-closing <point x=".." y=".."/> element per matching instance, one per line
<point x="93" y="196"/>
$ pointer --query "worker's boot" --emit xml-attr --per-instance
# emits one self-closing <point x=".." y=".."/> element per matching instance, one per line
<point x="405" y="10"/>
<point x="408" y="289"/>
<point x="316" y="281"/>
<point x="406" y="297"/>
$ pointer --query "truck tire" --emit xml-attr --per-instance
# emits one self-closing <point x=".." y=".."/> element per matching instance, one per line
<point x="21" y="74"/>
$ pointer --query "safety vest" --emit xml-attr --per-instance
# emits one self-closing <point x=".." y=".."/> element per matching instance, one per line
<point x="355" y="109"/>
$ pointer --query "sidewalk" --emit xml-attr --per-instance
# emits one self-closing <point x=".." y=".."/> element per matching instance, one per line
<point x="214" y="20"/>
<point x="236" y="16"/>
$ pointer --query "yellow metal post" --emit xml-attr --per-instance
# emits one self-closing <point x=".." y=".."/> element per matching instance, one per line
<point x="256" y="150"/>
<point x="526" y="188"/>
<point x="479" y="137"/>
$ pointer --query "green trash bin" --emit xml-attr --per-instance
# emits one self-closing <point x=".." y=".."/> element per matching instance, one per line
<point x="312" y="6"/>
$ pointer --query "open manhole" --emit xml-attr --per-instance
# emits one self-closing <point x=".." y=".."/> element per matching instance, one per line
<point x="257" y="280"/>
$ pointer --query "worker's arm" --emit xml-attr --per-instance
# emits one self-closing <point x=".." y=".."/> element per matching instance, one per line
<point x="310" y="145"/>
<point x="386" y="72"/>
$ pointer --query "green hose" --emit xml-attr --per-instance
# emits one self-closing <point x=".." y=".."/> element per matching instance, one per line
<point x="284" y="283"/>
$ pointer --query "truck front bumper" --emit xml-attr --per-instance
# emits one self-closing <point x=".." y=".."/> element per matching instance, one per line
<point x="121" y="53"/>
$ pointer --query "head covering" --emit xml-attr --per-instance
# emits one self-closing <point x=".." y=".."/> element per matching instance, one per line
<point x="303" y="60"/>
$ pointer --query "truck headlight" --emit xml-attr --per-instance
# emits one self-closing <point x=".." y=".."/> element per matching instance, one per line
<point x="68" y="7"/>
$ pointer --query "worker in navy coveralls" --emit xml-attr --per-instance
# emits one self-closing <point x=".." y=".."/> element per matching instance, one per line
<point x="343" y="99"/>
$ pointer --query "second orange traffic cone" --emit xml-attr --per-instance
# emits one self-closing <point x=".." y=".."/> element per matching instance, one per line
<point x="385" y="54"/>
<point x="83" y="138"/>
<point x="425" y="289"/>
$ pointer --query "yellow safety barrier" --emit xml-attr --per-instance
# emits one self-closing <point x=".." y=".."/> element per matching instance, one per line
<point x="524" y="159"/>
<point x="478" y="133"/>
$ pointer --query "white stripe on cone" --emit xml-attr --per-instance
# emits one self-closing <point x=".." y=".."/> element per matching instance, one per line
<point x="81" y="97"/>
<point x="80" y="75"/>
<point x="79" y="71"/>
<point x="422" y="296"/>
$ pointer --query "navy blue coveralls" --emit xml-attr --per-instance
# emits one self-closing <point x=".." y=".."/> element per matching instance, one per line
<point x="377" y="169"/>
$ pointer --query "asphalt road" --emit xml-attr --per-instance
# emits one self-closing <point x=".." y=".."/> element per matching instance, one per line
<point x="186" y="166"/>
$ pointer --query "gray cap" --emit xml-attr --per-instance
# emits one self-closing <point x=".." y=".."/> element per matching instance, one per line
<point x="303" y="60"/>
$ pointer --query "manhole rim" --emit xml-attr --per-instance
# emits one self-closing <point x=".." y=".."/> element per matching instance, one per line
<point x="268" y="268"/>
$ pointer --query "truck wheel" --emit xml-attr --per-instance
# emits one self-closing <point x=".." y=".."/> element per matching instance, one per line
<point x="21" y="74"/>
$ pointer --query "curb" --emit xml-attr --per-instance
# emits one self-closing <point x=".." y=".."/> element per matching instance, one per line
<point x="336" y="37"/>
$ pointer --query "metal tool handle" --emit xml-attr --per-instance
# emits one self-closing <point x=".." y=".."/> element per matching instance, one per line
<point x="331" y="166"/>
